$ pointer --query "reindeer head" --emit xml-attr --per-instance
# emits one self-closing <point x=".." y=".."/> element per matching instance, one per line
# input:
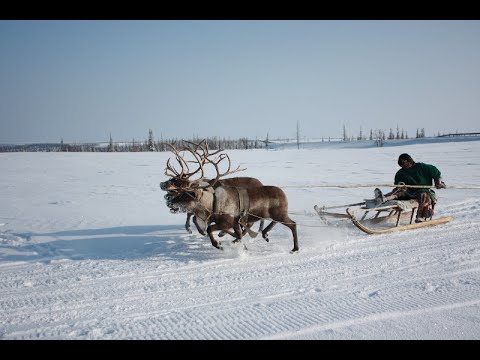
<point x="173" y="184"/>
<point x="184" y="184"/>
<point x="183" y="202"/>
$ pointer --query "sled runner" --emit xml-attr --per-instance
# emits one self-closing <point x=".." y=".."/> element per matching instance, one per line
<point x="373" y="218"/>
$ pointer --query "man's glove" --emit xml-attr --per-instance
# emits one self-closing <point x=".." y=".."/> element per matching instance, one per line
<point x="439" y="184"/>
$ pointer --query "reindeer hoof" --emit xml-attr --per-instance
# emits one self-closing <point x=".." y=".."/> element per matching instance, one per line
<point x="265" y="236"/>
<point x="294" y="250"/>
<point x="221" y="234"/>
<point x="218" y="245"/>
<point x="189" y="230"/>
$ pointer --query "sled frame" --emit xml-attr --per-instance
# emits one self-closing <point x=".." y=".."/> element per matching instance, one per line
<point x="380" y="214"/>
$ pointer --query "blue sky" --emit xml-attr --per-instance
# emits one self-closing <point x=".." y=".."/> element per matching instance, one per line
<point x="84" y="80"/>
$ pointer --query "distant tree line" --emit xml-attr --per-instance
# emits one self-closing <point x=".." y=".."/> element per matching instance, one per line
<point x="150" y="144"/>
<point x="380" y="134"/>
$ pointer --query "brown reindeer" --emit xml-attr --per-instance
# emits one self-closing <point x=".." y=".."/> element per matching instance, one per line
<point x="229" y="207"/>
<point x="180" y="180"/>
<point x="173" y="185"/>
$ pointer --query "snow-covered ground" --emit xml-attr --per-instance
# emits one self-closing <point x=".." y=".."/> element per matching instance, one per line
<point x="89" y="250"/>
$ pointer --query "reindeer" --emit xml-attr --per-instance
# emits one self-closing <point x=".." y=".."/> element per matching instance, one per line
<point x="227" y="207"/>
<point x="180" y="180"/>
<point x="172" y="186"/>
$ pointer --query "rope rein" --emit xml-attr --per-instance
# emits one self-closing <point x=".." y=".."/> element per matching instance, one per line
<point x="210" y="213"/>
<point x="377" y="185"/>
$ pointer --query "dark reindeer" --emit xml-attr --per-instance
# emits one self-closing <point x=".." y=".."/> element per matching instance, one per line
<point x="172" y="185"/>
<point x="227" y="207"/>
<point x="180" y="180"/>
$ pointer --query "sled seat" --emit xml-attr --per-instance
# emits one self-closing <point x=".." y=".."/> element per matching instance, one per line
<point x="394" y="207"/>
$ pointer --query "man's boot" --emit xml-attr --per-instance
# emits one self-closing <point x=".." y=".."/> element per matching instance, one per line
<point x="379" y="197"/>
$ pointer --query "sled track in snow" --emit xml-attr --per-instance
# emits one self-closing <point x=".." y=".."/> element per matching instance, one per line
<point x="320" y="292"/>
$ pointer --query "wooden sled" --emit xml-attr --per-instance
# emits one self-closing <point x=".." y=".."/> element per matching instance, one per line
<point x="380" y="219"/>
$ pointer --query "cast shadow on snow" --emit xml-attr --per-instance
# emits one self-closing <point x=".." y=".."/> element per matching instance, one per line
<point x="162" y="242"/>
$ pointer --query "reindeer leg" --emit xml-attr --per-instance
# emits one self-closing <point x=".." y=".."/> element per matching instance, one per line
<point x="238" y="232"/>
<point x="267" y="229"/>
<point x="210" y="229"/>
<point x="293" y="227"/>
<point x="187" y="223"/>
<point x="260" y="228"/>
<point x="225" y="232"/>
<point x="247" y="229"/>
<point x="229" y="232"/>
<point x="201" y="229"/>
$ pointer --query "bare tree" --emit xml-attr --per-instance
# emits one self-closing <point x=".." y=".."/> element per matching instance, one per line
<point x="298" y="135"/>
<point x="360" y="135"/>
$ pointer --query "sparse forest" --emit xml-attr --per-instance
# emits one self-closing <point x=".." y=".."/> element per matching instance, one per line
<point x="150" y="144"/>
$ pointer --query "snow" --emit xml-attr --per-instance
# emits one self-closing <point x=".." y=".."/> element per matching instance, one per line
<point x="89" y="250"/>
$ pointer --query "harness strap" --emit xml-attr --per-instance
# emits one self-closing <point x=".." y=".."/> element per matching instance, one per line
<point x="243" y="207"/>
<point x="208" y="212"/>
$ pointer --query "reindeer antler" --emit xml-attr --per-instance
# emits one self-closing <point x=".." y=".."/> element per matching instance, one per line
<point x="170" y="170"/>
<point x="185" y="172"/>
<point x="202" y="156"/>
<point x="215" y="165"/>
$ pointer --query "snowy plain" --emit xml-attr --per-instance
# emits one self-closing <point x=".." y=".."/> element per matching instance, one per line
<point x="89" y="250"/>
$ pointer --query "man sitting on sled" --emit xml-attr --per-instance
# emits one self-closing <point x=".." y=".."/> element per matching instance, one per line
<point x="412" y="173"/>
